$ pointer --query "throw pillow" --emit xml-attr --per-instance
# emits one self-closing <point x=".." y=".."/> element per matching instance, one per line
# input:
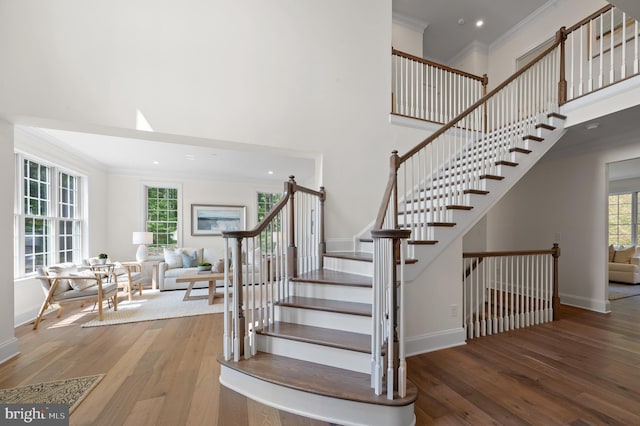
<point x="62" y="270"/>
<point x="612" y="252"/>
<point x="189" y="260"/>
<point x="624" y="255"/>
<point x="82" y="284"/>
<point x="173" y="259"/>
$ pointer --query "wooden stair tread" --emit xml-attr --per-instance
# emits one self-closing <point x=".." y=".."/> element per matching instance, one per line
<point x="414" y="242"/>
<point x="316" y="379"/>
<point x="327" y="276"/>
<point x="533" y="138"/>
<point x="545" y="126"/>
<point x="327" y="305"/>
<point x="520" y="150"/>
<point x="557" y="115"/>
<point x="358" y="255"/>
<point x="322" y="336"/>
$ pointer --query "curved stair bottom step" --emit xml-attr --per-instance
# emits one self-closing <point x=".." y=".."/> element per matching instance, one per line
<point x="319" y="407"/>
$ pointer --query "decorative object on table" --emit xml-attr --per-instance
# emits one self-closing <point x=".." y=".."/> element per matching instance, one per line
<point x="209" y="219"/>
<point x="142" y="239"/>
<point x="219" y="266"/>
<point x="204" y="266"/>
<point x="70" y="392"/>
<point x="102" y="258"/>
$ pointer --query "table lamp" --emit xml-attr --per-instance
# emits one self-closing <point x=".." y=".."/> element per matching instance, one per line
<point x="142" y="238"/>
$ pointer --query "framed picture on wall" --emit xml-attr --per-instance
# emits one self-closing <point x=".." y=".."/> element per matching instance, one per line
<point x="212" y="219"/>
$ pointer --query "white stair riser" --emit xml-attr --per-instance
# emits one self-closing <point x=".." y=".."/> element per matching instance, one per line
<point x="333" y="320"/>
<point x="350" y="266"/>
<point x="333" y="292"/>
<point x="334" y="357"/>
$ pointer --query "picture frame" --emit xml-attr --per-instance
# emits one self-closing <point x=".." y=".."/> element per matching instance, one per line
<point x="213" y="219"/>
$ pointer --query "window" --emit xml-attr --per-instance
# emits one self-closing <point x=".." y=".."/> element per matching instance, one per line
<point x="266" y="201"/>
<point x="49" y="219"/>
<point x="162" y="216"/>
<point x="623" y="218"/>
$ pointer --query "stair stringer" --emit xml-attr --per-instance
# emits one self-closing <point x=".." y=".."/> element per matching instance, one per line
<point x="465" y="220"/>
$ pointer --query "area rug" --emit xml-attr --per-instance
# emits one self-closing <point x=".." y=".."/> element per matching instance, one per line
<point x="70" y="392"/>
<point x="155" y="305"/>
<point x="620" y="291"/>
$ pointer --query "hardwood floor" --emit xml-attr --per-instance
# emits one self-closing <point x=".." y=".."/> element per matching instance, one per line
<point x="583" y="369"/>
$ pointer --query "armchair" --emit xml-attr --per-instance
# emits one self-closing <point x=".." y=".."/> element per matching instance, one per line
<point x="128" y="274"/>
<point x="63" y="284"/>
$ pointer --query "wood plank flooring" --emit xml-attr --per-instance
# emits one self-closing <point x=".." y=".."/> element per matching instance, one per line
<point x="583" y="369"/>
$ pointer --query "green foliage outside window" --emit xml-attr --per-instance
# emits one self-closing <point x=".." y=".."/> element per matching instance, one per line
<point x="162" y="216"/>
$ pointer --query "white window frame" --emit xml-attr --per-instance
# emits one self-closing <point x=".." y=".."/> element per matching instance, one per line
<point x="634" y="214"/>
<point x="144" y="213"/>
<point x="52" y="215"/>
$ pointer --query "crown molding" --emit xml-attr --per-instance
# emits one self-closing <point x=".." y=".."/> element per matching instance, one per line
<point x="410" y="22"/>
<point x="517" y="27"/>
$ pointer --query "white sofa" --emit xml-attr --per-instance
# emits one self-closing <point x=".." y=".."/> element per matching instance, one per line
<point x="174" y="267"/>
<point x="624" y="264"/>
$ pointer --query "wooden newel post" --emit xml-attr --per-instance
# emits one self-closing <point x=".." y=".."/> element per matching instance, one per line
<point x="556" y="298"/>
<point x="395" y="165"/>
<point x="292" y="250"/>
<point x="322" y="244"/>
<point x="561" y="37"/>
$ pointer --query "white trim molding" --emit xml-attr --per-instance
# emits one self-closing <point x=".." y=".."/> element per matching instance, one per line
<point x="435" y="341"/>
<point x="9" y="349"/>
<point x="410" y="22"/>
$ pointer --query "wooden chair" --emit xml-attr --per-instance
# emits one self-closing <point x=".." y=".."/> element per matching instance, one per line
<point x="127" y="275"/>
<point x="64" y="284"/>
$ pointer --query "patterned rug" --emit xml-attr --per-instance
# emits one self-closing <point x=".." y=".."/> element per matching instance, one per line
<point x="620" y="291"/>
<point x="156" y="305"/>
<point x="70" y="392"/>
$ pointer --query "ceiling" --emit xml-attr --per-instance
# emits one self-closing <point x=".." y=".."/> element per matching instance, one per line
<point x="441" y="20"/>
<point x="189" y="159"/>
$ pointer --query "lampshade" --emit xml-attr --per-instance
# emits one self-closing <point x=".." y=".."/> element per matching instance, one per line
<point x="142" y="238"/>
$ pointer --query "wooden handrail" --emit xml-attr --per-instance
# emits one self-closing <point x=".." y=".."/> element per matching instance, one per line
<point x="483" y="254"/>
<point x="402" y="54"/>
<point x="560" y="37"/>
<point x="589" y="18"/>
<point x="290" y="188"/>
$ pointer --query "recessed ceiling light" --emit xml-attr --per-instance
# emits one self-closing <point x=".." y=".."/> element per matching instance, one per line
<point x="479" y="23"/>
<point x="461" y="21"/>
<point x="190" y="157"/>
<point x="156" y="162"/>
<point x="270" y="172"/>
<point x="592" y="126"/>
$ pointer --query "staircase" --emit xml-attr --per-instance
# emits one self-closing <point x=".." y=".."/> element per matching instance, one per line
<point x="322" y="334"/>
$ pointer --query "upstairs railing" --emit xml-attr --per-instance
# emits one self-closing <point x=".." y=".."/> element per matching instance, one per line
<point x="287" y="242"/>
<point x="507" y="290"/>
<point x="430" y="91"/>
<point x="601" y="50"/>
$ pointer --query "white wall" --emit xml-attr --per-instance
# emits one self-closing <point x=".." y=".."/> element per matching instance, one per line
<point x="473" y="59"/>
<point x="430" y="299"/>
<point x="8" y="341"/>
<point x="565" y="195"/>
<point x="278" y="73"/>
<point x="406" y="39"/>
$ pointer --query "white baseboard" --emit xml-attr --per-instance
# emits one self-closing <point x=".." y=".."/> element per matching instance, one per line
<point x="596" y="305"/>
<point x="27" y="317"/>
<point x="435" y="341"/>
<point x="9" y="349"/>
